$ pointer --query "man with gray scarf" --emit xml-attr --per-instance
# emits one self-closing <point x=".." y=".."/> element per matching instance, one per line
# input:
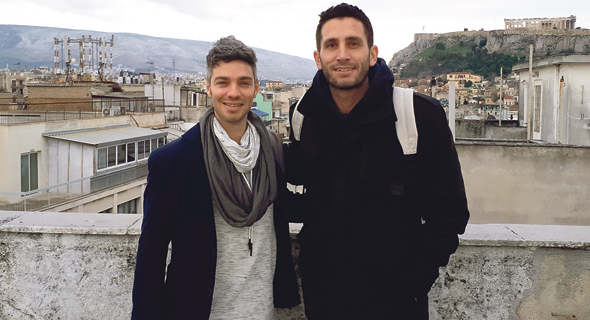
<point x="216" y="194"/>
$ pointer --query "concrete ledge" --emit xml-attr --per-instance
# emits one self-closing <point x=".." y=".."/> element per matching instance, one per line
<point x="513" y="235"/>
<point x="523" y="235"/>
<point x="80" y="266"/>
<point x="70" y="223"/>
<point x="516" y="235"/>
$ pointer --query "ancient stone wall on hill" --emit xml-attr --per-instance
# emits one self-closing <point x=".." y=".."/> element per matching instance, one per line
<point x="514" y="41"/>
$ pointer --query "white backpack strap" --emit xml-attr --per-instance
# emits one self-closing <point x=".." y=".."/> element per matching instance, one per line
<point x="407" y="133"/>
<point x="297" y="120"/>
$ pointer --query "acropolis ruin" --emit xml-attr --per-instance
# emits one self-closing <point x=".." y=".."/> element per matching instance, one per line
<point x="541" y="23"/>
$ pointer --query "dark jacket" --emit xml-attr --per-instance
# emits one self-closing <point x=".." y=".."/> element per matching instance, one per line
<point x="178" y="209"/>
<point x="364" y="200"/>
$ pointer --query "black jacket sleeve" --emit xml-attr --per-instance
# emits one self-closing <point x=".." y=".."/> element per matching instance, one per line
<point x="441" y="199"/>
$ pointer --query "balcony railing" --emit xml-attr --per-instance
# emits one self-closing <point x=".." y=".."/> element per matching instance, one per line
<point x="25" y="112"/>
<point x="37" y="200"/>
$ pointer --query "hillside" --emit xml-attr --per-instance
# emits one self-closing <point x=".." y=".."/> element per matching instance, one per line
<point x="483" y="51"/>
<point x="34" y="46"/>
<point x="459" y="58"/>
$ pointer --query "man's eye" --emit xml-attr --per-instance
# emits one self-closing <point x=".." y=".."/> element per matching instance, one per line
<point x="221" y="83"/>
<point x="246" y="83"/>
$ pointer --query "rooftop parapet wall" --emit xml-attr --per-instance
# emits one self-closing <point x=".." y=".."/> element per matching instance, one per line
<point x="80" y="266"/>
<point x="531" y="183"/>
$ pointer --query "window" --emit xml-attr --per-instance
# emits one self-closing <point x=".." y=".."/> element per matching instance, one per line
<point x="147" y="148"/>
<point x="140" y="150"/>
<point x="112" y="156"/>
<point x="126" y="153"/>
<point x="121" y="154"/>
<point x="131" y="152"/>
<point x="128" y="207"/>
<point x="102" y="158"/>
<point x="29" y="174"/>
<point x="154" y="144"/>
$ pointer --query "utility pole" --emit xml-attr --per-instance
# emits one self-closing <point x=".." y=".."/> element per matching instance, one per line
<point x="150" y="77"/>
<point x="433" y="87"/>
<point x="174" y="84"/>
<point x="500" y="101"/>
<point x="452" y="107"/>
<point x="530" y="94"/>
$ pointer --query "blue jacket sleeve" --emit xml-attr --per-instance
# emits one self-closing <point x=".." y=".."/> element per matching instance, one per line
<point x="159" y="219"/>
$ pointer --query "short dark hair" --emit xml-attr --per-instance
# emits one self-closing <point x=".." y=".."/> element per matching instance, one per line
<point x="228" y="49"/>
<point x="341" y="11"/>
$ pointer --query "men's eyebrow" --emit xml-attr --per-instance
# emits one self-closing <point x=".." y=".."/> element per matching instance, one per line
<point x="227" y="78"/>
<point x="358" y="39"/>
<point x="351" y="38"/>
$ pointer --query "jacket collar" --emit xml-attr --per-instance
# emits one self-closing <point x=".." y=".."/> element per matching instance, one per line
<point x="375" y="105"/>
<point x="193" y="162"/>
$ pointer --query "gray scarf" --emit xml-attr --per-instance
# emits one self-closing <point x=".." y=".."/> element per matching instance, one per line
<point x="238" y="205"/>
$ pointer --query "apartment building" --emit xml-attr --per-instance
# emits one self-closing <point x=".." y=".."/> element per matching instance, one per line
<point x="75" y="161"/>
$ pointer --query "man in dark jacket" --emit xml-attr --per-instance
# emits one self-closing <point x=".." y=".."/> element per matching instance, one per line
<point x="215" y="195"/>
<point x="377" y="224"/>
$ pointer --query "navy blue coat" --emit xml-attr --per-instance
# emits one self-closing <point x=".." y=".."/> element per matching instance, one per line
<point x="178" y="209"/>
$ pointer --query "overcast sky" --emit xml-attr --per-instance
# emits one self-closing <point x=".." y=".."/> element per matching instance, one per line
<point x="279" y="25"/>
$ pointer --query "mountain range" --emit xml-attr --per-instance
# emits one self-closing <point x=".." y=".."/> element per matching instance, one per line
<point x="32" y="46"/>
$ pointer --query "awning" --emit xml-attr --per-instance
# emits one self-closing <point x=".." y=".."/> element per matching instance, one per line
<point x="260" y="113"/>
<point x="106" y="136"/>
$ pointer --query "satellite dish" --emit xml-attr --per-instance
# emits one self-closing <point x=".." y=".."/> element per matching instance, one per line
<point x="72" y="60"/>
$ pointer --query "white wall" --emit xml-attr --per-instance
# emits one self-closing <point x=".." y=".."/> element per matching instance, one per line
<point x="69" y="161"/>
<point x="171" y="93"/>
<point x="14" y="141"/>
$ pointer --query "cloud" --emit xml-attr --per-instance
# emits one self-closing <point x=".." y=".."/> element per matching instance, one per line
<point x="280" y="25"/>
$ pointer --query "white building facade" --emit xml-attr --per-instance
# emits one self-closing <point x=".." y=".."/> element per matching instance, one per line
<point x="557" y="101"/>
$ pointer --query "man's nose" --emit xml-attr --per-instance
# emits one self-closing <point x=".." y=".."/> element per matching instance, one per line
<point x="342" y="54"/>
<point x="233" y="91"/>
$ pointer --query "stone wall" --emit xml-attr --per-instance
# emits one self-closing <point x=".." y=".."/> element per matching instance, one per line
<point x="558" y="32"/>
<point x="514" y="41"/>
<point x="486" y="129"/>
<point x="192" y="114"/>
<point x="80" y="266"/>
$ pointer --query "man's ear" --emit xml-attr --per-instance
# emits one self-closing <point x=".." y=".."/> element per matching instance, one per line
<point x="208" y="88"/>
<point x="318" y="60"/>
<point x="256" y="88"/>
<point x="374" y="53"/>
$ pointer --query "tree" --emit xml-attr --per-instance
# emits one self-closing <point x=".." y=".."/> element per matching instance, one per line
<point x="440" y="46"/>
<point x="468" y="84"/>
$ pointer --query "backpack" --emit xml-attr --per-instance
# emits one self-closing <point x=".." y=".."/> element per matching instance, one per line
<point x="405" y="126"/>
